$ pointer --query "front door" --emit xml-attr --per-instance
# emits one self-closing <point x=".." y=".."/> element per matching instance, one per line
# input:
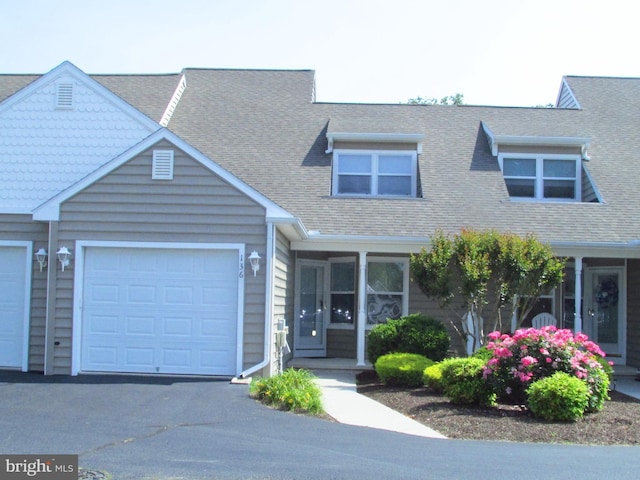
<point x="310" y="322"/>
<point x="604" y="312"/>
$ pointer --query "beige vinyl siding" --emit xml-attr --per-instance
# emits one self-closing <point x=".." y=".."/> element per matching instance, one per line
<point x="420" y="303"/>
<point x="23" y="228"/>
<point x="566" y="99"/>
<point x="195" y="207"/>
<point x="283" y="288"/>
<point x="540" y="149"/>
<point x="344" y="145"/>
<point x="633" y="313"/>
<point x="588" y="191"/>
<point x="341" y="343"/>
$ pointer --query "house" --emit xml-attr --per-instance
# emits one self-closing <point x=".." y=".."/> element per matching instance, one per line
<point x="171" y="223"/>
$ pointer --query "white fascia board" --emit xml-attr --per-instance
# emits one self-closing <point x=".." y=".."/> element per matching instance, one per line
<point x="50" y="210"/>
<point x="409" y="245"/>
<point x="496" y="140"/>
<point x="597" y="249"/>
<point x="67" y="68"/>
<point x="293" y="227"/>
<point x="373" y="244"/>
<point x="416" y="138"/>
<point x="15" y="211"/>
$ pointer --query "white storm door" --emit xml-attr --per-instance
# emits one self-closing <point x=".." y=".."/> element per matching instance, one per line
<point x="605" y="300"/>
<point x="14" y="305"/>
<point x="160" y="310"/>
<point x="310" y="322"/>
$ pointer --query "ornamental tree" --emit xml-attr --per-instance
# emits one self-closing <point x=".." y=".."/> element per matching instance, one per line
<point x="478" y="274"/>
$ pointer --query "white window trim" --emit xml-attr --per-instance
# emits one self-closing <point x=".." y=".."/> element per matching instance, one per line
<point x="343" y="326"/>
<point x="539" y="179"/>
<point x="405" y="281"/>
<point x="374" y="187"/>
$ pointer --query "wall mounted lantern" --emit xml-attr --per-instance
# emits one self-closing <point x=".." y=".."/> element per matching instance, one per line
<point x="254" y="258"/>
<point x="64" y="256"/>
<point x="41" y="257"/>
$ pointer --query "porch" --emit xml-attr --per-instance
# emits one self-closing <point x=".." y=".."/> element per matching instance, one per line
<point x="344" y="364"/>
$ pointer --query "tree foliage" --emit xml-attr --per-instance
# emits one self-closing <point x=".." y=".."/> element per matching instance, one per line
<point x="457" y="99"/>
<point x="484" y="272"/>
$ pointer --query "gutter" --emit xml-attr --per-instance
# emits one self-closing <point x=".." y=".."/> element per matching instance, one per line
<point x="268" y="315"/>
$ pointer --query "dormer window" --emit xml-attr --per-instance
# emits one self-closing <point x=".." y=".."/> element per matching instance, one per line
<point x="542" y="177"/>
<point x="374" y="173"/>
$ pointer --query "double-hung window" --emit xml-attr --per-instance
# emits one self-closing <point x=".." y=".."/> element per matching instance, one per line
<point x="343" y="292"/>
<point x="380" y="173"/>
<point x="542" y="177"/>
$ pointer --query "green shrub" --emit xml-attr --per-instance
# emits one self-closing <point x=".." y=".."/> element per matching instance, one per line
<point x="382" y="339"/>
<point x="432" y="377"/>
<point x="462" y="382"/>
<point x="560" y="397"/>
<point x="293" y="390"/>
<point x="606" y="366"/>
<point x="598" y="386"/>
<point x="483" y="353"/>
<point x="404" y="369"/>
<point x="415" y="333"/>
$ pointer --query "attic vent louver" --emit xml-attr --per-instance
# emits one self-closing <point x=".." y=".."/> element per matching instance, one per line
<point x="64" y="95"/>
<point x="162" y="165"/>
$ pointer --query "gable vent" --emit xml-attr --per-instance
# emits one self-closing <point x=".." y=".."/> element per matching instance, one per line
<point x="64" y="95"/>
<point x="162" y="165"/>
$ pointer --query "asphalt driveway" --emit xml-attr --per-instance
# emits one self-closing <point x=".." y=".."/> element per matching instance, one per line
<point x="137" y="427"/>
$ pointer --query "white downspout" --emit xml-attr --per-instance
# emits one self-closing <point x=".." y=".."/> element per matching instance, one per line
<point x="268" y="315"/>
<point x="362" y="307"/>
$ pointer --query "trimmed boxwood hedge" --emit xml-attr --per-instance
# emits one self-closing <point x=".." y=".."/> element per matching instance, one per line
<point x="404" y="369"/>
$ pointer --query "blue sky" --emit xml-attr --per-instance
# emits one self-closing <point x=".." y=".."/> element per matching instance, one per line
<point x="496" y="52"/>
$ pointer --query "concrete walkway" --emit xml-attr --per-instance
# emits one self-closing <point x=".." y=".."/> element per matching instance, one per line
<point x="342" y="401"/>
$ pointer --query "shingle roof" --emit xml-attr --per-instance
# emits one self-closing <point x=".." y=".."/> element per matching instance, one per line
<point x="279" y="148"/>
<point x="263" y="127"/>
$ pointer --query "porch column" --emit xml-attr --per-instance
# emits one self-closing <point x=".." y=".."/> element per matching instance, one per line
<point x="577" y="323"/>
<point x="362" y="307"/>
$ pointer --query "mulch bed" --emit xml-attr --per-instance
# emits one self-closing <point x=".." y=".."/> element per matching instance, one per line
<point x="617" y="424"/>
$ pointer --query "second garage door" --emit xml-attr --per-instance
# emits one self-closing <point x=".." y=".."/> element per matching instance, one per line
<point x="160" y="310"/>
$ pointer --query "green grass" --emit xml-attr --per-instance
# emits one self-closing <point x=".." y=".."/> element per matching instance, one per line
<point x="293" y="390"/>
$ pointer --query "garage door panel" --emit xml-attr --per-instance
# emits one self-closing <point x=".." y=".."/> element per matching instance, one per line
<point x="142" y="294"/>
<point x="106" y="357"/>
<point x="139" y="326"/>
<point x="103" y="324"/>
<point x="179" y="316"/>
<point x="143" y="358"/>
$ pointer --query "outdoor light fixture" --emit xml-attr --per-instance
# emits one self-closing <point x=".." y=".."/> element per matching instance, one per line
<point x="254" y="258"/>
<point x="41" y="257"/>
<point x="64" y="255"/>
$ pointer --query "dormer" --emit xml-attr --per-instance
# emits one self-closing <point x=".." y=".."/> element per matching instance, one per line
<point x="375" y="164"/>
<point x="544" y="168"/>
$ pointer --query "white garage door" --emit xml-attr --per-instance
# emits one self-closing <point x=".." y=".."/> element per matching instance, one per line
<point x="13" y="281"/>
<point x="148" y="310"/>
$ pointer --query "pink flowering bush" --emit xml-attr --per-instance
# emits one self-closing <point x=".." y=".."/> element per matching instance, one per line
<point x="531" y="354"/>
